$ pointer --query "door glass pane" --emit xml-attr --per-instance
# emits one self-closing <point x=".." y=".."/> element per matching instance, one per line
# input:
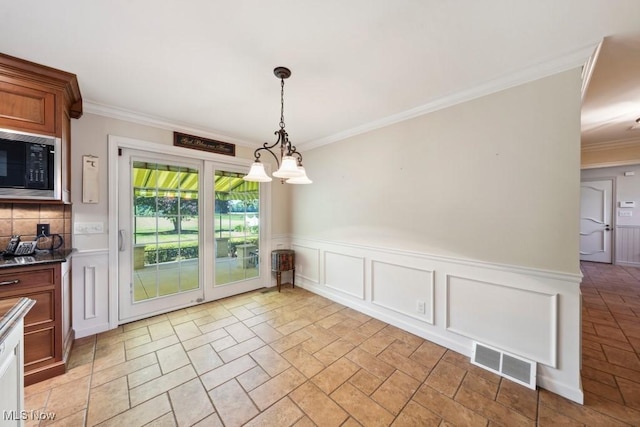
<point x="165" y="224"/>
<point x="237" y="227"/>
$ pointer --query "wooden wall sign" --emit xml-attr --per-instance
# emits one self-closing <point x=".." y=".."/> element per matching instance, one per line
<point x="204" y="144"/>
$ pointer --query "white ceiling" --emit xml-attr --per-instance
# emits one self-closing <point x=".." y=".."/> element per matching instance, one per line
<point x="206" y="65"/>
<point x="612" y="101"/>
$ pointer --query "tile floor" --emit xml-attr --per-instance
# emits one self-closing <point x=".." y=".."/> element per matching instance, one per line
<point x="295" y="358"/>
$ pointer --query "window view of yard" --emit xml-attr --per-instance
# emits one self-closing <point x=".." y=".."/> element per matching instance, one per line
<point x="236" y="225"/>
<point x="166" y="223"/>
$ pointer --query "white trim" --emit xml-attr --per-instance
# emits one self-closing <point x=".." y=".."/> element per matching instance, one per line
<point x="89" y="252"/>
<point x="571" y="60"/>
<point x="587" y="71"/>
<point x="114" y="143"/>
<point x="552" y="356"/>
<point x="599" y="165"/>
<point x="616" y="144"/>
<point x="370" y="310"/>
<point x="89" y="292"/>
<point x="559" y="360"/>
<point x="361" y="294"/>
<point x="317" y="256"/>
<point x="546" y="274"/>
<point x="110" y="111"/>
<point x="431" y="291"/>
<point x="576" y="58"/>
<point x="559" y="388"/>
<point x="96" y="329"/>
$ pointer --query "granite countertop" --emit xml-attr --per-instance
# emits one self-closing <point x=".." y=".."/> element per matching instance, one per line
<point x="39" y="257"/>
<point x="11" y="311"/>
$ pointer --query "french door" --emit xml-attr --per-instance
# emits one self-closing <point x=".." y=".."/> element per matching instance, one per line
<point x="188" y="231"/>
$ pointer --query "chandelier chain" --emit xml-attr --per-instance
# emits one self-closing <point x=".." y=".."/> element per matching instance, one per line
<point x="281" y="103"/>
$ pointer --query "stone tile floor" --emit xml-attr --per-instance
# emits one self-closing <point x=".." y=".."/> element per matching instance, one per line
<point x="295" y="358"/>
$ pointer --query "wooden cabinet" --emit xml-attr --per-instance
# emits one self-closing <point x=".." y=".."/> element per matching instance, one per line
<point x="46" y="342"/>
<point x="41" y="100"/>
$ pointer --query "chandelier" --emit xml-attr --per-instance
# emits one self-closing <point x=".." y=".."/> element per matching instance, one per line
<point x="290" y="169"/>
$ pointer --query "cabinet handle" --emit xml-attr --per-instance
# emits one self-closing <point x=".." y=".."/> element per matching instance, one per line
<point x="10" y="282"/>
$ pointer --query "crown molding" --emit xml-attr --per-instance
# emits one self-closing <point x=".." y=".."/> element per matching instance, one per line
<point x="159" y="122"/>
<point x="576" y="58"/>
<point x="612" y="145"/>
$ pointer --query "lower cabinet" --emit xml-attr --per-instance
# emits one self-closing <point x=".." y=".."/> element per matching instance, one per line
<point x="46" y="342"/>
<point x="12" y="312"/>
<point x="11" y="388"/>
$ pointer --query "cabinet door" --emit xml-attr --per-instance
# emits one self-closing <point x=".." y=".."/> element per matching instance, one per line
<point x="26" y="107"/>
<point x="11" y="392"/>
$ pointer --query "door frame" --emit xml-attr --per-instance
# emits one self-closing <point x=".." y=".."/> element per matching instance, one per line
<point x="116" y="142"/>
<point x="614" y="213"/>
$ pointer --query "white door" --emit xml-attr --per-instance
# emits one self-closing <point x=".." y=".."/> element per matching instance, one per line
<point x="159" y="221"/>
<point x="595" y="220"/>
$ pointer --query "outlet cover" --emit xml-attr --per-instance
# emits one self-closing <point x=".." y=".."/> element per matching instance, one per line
<point x="43" y="230"/>
<point x="88" y="228"/>
<point x="420" y="307"/>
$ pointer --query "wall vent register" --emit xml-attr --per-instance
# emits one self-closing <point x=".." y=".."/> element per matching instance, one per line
<point x="510" y="366"/>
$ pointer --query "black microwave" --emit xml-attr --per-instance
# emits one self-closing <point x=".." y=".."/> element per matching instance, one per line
<point x="29" y="166"/>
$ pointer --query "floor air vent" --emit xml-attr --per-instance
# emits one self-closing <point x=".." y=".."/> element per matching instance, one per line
<point x="515" y="368"/>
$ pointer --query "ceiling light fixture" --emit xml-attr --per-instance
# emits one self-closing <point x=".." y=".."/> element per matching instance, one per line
<point x="290" y="169"/>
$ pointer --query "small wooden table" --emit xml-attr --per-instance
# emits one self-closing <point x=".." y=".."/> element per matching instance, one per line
<point x="283" y="260"/>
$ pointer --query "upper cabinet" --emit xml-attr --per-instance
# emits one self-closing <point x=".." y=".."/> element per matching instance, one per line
<point x="41" y="100"/>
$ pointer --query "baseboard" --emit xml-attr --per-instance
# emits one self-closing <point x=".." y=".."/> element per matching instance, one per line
<point x="384" y="317"/>
<point x="561" y="389"/>
<point x="628" y="264"/>
<point x="81" y="333"/>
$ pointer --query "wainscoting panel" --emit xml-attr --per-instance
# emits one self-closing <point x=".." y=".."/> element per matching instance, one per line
<point x="406" y="290"/>
<point x="519" y="321"/>
<point x="628" y="245"/>
<point x="307" y="263"/>
<point x="90" y="296"/>
<point x="89" y="292"/>
<point x="344" y="273"/>
<point x="529" y="312"/>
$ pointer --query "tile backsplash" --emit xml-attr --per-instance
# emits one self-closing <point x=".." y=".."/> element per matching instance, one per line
<point x="22" y="218"/>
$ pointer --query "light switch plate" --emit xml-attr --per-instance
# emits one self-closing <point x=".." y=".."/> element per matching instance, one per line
<point x="625" y="213"/>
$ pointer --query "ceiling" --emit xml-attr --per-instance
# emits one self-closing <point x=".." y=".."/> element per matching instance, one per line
<point x="611" y="103"/>
<point x="205" y="66"/>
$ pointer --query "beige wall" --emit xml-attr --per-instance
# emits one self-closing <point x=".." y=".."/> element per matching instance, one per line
<point x="90" y="136"/>
<point x="495" y="179"/>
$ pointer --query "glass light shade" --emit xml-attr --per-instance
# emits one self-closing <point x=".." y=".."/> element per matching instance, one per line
<point x="257" y="173"/>
<point x="288" y="168"/>
<point x="300" y="179"/>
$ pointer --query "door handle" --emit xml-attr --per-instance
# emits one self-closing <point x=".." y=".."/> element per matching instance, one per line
<point x="607" y="227"/>
<point x="121" y="240"/>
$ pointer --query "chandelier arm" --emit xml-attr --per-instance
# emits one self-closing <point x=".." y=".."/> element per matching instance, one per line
<point x="294" y="152"/>
<point x="268" y="148"/>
